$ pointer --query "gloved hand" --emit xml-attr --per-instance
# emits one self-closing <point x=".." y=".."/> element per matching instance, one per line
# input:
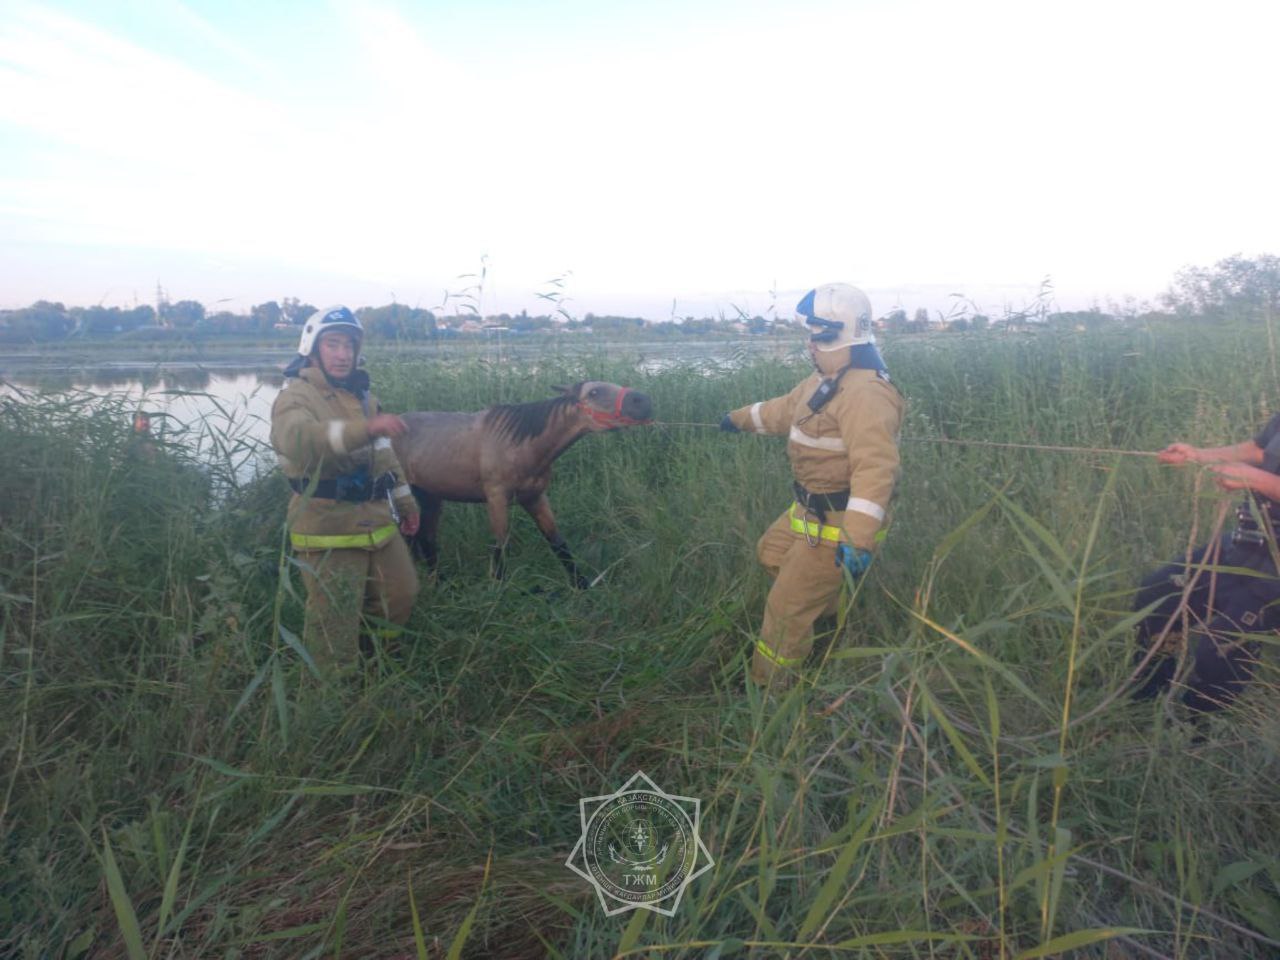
<point x="727" y="425"/>
<point x="852" y="559"/>
<point x="409" y="524"/>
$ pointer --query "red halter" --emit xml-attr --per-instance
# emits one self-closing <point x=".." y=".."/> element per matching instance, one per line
<point x="614" y="419"/>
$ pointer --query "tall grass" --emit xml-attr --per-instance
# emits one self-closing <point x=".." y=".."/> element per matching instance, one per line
<point x="944" y="784"/>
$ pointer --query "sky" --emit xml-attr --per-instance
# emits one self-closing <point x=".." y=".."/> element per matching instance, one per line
<point x="658" y="159"/>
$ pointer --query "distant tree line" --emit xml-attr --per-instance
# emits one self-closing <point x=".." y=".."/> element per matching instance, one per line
<point x="45" y="321"/>
<point x="1235" y="288"/>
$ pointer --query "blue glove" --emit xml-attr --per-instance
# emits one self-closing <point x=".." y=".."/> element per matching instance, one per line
<point x="852" y="559"/>
<point x="727" y="425"/>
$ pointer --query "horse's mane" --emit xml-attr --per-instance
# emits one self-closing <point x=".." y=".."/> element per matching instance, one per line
<point x="525" y="421"/>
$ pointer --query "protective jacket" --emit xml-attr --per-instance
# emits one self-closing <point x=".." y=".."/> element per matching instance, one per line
<point x="850" y="444"/>
<point x="318" y="431"/>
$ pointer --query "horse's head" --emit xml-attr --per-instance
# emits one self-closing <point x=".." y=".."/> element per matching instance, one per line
<point x="609" y="406"/>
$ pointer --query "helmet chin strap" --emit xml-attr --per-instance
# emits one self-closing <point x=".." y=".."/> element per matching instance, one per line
<point x="829" y="362"/>
<point x="356" y="381"/>
<point x="859" y="356"/>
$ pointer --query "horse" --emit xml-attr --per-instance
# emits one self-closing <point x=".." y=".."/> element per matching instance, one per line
<point x="503" y="454"/>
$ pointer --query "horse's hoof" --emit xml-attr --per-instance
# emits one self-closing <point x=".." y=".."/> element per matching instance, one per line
<point x="581" y="583"/>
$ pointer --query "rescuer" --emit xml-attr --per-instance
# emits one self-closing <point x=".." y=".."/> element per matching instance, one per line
<point x="842" y="424"/>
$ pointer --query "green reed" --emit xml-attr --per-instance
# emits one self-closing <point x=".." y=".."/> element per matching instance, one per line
<point x="944" y="784"/>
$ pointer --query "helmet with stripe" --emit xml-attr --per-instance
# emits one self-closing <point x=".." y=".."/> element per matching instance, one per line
<point x="837" y="315"/>
<point x="331" y="318"/>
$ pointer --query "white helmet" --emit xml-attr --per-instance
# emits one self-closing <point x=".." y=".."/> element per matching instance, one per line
<point x="331" y="318"/>
<point x="837" y="316"/>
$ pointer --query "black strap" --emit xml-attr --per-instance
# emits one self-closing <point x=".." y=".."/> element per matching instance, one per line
<point x="820" y="503"/>
<point x="350" y="487"/>
<point x="826" y="390"/>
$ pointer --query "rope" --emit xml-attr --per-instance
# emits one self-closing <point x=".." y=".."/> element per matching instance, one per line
<point x="1035" y="446"/>
<point x="1050" y="447"/>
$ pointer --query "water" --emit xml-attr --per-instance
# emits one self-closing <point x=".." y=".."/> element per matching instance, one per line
<point x="198" y="407"/>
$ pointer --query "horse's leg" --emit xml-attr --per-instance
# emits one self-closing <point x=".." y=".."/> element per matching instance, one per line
<point x="425" y="544"/>
<point x="498" y="521"/>
<point x="540" y="510"/>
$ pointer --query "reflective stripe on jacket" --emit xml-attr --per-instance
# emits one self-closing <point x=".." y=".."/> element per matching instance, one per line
<point x="851" y="443"/>
<point x="318" y="430"/>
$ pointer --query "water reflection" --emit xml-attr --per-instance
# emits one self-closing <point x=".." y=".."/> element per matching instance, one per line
<point x="217" y="416"/>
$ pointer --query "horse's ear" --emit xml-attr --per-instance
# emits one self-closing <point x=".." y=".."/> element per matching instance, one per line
<point x="560" y="388"/>
<point x="570" y="391"/>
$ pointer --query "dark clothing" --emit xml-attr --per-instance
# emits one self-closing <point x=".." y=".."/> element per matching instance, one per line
<point x="1267" y="434"/>
<point x="1242" y="604"/>
<point x="1256" y="513"/>
<point x="1224" y="659"/>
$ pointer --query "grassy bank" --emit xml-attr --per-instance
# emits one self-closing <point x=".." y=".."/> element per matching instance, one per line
<point x="957" y="779"/>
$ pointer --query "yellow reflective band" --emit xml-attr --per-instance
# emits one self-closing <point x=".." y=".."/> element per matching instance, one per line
<point x="341" y="541"/>
<point x="811" y="529"/>
<point x="770" y="654"/>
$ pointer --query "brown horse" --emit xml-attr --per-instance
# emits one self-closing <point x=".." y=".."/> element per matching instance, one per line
<point x="504" y="454"/>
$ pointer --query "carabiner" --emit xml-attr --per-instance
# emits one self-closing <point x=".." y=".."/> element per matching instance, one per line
<point x="816" y="539"/>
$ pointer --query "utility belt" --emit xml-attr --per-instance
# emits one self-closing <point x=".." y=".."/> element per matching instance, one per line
<point x="1248" y="530"/>
<point x="819" y="503"/>
<point x="814" y="531"/>
<point x="350" y="487"/>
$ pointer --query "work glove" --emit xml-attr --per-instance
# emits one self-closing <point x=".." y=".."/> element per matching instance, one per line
<point x="727" y="425"/>
<point x="852" y="559"/>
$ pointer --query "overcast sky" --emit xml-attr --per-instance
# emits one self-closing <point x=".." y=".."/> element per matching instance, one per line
<point x="695" y="151"/>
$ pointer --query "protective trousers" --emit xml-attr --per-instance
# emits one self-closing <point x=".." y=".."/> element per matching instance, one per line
<point x="806" y="585"/>
<point x="345" y="584"/>
<point x="1224" y="658"/>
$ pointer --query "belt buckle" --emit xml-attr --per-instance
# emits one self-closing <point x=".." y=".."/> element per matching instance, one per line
<point x="1254" y="537"/>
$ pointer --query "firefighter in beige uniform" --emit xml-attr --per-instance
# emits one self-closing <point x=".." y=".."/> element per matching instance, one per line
<point x="842" y="426"/>
<point x="334" y="445"/>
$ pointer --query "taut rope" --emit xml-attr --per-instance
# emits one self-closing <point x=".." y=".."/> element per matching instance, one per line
<point x="1051" y="447"/>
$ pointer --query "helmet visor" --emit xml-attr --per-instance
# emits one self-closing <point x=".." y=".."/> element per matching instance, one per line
<point x="823" y="331"/>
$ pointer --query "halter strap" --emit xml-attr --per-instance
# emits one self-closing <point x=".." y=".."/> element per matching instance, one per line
<point x="614" y="418"/>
